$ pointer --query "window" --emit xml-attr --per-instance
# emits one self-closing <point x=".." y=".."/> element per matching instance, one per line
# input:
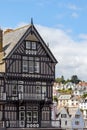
<point x="76" y="122"/>
<point x="35" y="116"/>
<point x="33" y="45"/>
<point x="36" y="67"/>
<point x="14" y="90"/>
<point x="22" y="115"/>
<point x="77" y="116"/>
<point x="29" y="116"/>
<point x="25" y="66"/>
<point x="65" y="122"/>
<point x="45" y="115"/>
<point x="20" y="88"/>
<point x="30" y="47"/>
<point x="63" y="115"/>
<point x="31" y="64"/>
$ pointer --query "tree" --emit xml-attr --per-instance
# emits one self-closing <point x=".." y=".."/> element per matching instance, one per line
<point x="55" y="99"/>
<point x="60" y="80"/>
<point x="74" y="79"/>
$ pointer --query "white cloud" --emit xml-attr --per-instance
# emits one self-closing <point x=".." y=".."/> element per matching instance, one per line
<point x="74" y="15"/>
<point x="73" y="7"/>
<point x="71" y="55"/>
<point x="83" y="36"/>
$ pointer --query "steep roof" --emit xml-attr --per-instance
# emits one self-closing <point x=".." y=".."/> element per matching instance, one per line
<point x="12" y="38"/>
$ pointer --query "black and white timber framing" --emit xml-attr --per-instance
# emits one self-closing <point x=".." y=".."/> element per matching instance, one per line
<point x="27" y="74"/>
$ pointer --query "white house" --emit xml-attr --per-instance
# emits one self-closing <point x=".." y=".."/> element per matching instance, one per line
<point x="69" y="85"/>
<point x="71" y="118"/>
<point x="77" y="121"/>
<point x="83" y="107"/>
<point x="63" y="99"/>
<point x="64" y="117"/>
<point x="78" y="92"/>
<point x="74" y="101"/>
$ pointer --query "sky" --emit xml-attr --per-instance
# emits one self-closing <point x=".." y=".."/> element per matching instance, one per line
<point x="61" y="23"/>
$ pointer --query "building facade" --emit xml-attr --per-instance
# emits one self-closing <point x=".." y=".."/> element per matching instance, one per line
<point x="27" y="73"/>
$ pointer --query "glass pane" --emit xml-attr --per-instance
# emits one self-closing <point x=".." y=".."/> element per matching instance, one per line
<point x="38" y="89"/>
<point x="31" y="66"/>
<point x="14" y="90"/>
<point x="28" y="45"/>
<point x="25" y="66"/>
<point x="22" y="115"/>
<point x="25" y="57"/>
<point x="29" y="116"/>
<point x="44" y="89"/>
<point x="35" y="116"/>
<point x="37" y="67"/>
<point x="33" y="45"/>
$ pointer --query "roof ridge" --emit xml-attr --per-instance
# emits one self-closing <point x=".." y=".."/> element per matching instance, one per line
<point x="10" y="30"/>
<point x="21" y="27"/>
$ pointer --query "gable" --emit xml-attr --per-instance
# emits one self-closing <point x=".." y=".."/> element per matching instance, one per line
<point x="32" y="37"/>
<point x="13" y="39"/>
<point x="63" y="111"/>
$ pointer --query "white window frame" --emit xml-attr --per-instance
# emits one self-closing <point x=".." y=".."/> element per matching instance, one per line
<point x="34" y="45"/>
<point x="35" y="116"/>
<point x="28" y="45"/>
<point x="36" y="67"/>
<point x="22" y="116"/>
<point x="29" y="117"/>
<point x="31" y="66"/>
<point x="25" y="66"/>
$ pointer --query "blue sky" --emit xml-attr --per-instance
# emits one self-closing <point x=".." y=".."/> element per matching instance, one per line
<point x="62" y="23"/>
<point x="70" y="14"/>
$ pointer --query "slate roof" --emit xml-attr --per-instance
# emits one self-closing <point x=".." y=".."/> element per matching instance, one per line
<point x="10" y="39"/>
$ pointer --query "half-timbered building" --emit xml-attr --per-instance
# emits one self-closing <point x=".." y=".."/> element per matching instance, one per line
<point x="27" y="73"/>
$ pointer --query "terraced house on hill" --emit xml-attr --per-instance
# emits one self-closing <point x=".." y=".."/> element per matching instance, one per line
<point x="27" y="72"/>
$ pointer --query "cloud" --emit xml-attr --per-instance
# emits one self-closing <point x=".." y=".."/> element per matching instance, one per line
<point x="74" y="15"/>
<point x="71" y="55"/>
<point x="83" y="36"/>
<point x="73" y="7"/>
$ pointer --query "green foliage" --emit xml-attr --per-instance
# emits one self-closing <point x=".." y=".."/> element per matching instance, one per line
<point x="68" y="91"/>
<point x="55" y="99"/>
<point x="60" y="80"/>
<point x="74" y="79"/>
<point x="84" y="95"/>
<point x="81" y="110"/>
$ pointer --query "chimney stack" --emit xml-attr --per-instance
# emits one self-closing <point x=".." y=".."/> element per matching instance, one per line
<point x="1" y="40"/>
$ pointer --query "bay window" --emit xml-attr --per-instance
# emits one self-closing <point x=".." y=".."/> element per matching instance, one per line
<point x="31" y="64"/>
